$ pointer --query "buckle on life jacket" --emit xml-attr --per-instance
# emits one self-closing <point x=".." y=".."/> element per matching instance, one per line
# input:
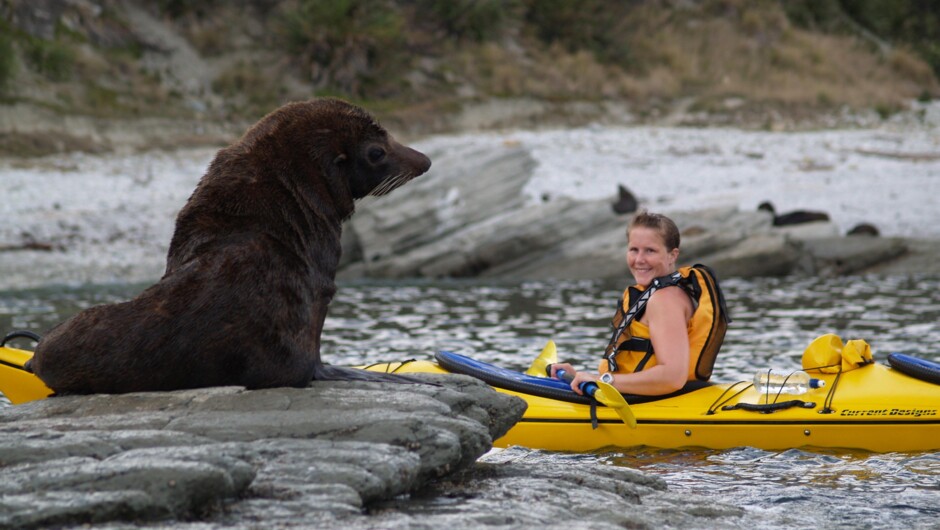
<point x="611" y="362"/>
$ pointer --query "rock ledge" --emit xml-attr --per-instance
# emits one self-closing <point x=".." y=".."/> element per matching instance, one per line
<point x="278" y="455"/>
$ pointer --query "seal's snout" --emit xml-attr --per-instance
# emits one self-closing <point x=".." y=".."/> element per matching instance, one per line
<point x="421" y="161"/>
<point x="407" y="163"/>
<point x="410" y="158"/>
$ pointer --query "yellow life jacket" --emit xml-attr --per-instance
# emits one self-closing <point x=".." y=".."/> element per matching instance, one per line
<point x="630" y="348"/>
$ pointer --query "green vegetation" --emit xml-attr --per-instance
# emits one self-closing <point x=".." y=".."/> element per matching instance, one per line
<point x="181" y="8"/>
<point x="913" y="23"/>
<point x="7" y="61"/>
<point x="595" y="26"/>
<point x="475" y="20"/>
<point x="351" y="45"/>
<point x="53" y="59"/>
<point x="248" y="89"/>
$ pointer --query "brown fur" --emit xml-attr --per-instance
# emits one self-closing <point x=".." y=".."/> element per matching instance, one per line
<point x="251" y="266"/>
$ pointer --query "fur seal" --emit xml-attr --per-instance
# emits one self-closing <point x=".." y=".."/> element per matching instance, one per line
<point x="864" y="229"/>
<point x="792" y="218"/>
<point x="626" y="202"/>
<point x="250" y="269"/>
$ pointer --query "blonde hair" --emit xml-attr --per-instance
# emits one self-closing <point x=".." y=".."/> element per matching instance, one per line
<point x="665" y="226"/>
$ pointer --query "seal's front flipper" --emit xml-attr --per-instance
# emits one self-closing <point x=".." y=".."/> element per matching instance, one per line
<point x="328" y="372"/>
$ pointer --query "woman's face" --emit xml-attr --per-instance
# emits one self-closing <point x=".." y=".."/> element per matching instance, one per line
<point x="647" y="256"/>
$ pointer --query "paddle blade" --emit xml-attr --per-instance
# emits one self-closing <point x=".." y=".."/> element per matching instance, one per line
<point x="608" y="395"/>
<point x="548" y="356"/>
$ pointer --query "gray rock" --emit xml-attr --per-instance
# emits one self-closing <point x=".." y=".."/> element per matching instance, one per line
<point x="440" y="204"/>
<point x="510" y="245"/>
<point x="55" y="509"/>
<point x="757" y="255"/>
<point x="598" y="254"/>
<point x="550" y="240"/>
<point x="809" y="231"/>
<point x="834" y="256"/>
<point x="471" y="217"/>
<point x="921" y="257"/>
<point x="172" y="487"/>
<point x="323" y="452"/>
<point x="506" y="490"/>
<point x="39" y="446"/>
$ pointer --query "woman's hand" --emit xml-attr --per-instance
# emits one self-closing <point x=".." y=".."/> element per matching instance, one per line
<point x="580" y="378"/>
<point x="563" y="366"/>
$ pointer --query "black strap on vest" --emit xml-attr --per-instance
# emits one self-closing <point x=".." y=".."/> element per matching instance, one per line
<point x="635" y="310"/>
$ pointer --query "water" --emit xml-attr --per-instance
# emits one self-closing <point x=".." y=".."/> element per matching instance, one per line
<point x="774" y="320"/>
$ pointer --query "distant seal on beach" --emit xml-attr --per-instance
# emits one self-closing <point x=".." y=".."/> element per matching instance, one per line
<point x="792" y="218"/>
<point x="250" y="269"/>
<point x="863" y="229"/>
<point x="626" y="202"/>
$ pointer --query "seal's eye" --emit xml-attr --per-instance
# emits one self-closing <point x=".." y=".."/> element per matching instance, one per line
<point x="376" y="154"/>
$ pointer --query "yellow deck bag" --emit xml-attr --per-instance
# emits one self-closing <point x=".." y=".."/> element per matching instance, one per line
<point x="827" y="354"/>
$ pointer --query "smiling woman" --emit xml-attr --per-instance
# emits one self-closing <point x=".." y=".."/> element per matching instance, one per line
<point x="646" y="355"/>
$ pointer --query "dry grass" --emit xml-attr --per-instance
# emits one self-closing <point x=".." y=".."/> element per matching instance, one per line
<point x="760" y="55"/>
<point x="725" y="49"/>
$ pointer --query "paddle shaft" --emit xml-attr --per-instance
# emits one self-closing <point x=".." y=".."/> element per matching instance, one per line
<point x="588" y="387"/>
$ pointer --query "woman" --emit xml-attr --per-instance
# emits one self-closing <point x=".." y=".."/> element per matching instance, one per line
<point x="663" y="337"/>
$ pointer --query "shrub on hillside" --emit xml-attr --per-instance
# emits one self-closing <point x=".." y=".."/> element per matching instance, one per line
<point x="7" y="62"/>
<point x="915" y="23"/>
<point x="50" y="58"/>
<point x="478" y="20"/>
<point x="346" y="44"/>
<point x="591" y="25"/>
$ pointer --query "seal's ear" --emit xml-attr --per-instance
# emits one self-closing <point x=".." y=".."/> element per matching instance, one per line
<point x="337" y="168"/>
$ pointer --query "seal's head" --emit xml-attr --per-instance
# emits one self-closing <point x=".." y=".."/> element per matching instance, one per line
<point x="346" y="143"/>
<point x="375" y="163"/>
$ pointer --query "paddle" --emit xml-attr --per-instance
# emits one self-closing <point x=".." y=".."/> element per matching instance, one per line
<point x="539" y="366"/>
<point x="607" y="395"/>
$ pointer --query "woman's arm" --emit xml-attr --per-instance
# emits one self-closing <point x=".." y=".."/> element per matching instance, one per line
<point x="668" y="313"/>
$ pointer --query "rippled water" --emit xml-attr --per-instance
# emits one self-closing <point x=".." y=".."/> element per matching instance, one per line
<point x="774" y="320"/>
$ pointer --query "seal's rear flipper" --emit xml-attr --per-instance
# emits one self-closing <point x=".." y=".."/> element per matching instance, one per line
<point x="328" y="372"/>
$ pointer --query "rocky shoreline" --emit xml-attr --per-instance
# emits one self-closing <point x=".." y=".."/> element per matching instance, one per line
<point x="474" y="216"/>
<point x="360" y="455"/>
<point x="510" y="206"/>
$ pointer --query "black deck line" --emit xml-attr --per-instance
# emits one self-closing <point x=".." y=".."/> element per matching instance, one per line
<point x="11" y="365"/>
<point x="740" y="422"/>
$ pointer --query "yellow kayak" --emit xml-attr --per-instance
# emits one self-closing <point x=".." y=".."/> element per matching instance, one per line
<point x="876" y="408"/>
<point x="18" y="385"/>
